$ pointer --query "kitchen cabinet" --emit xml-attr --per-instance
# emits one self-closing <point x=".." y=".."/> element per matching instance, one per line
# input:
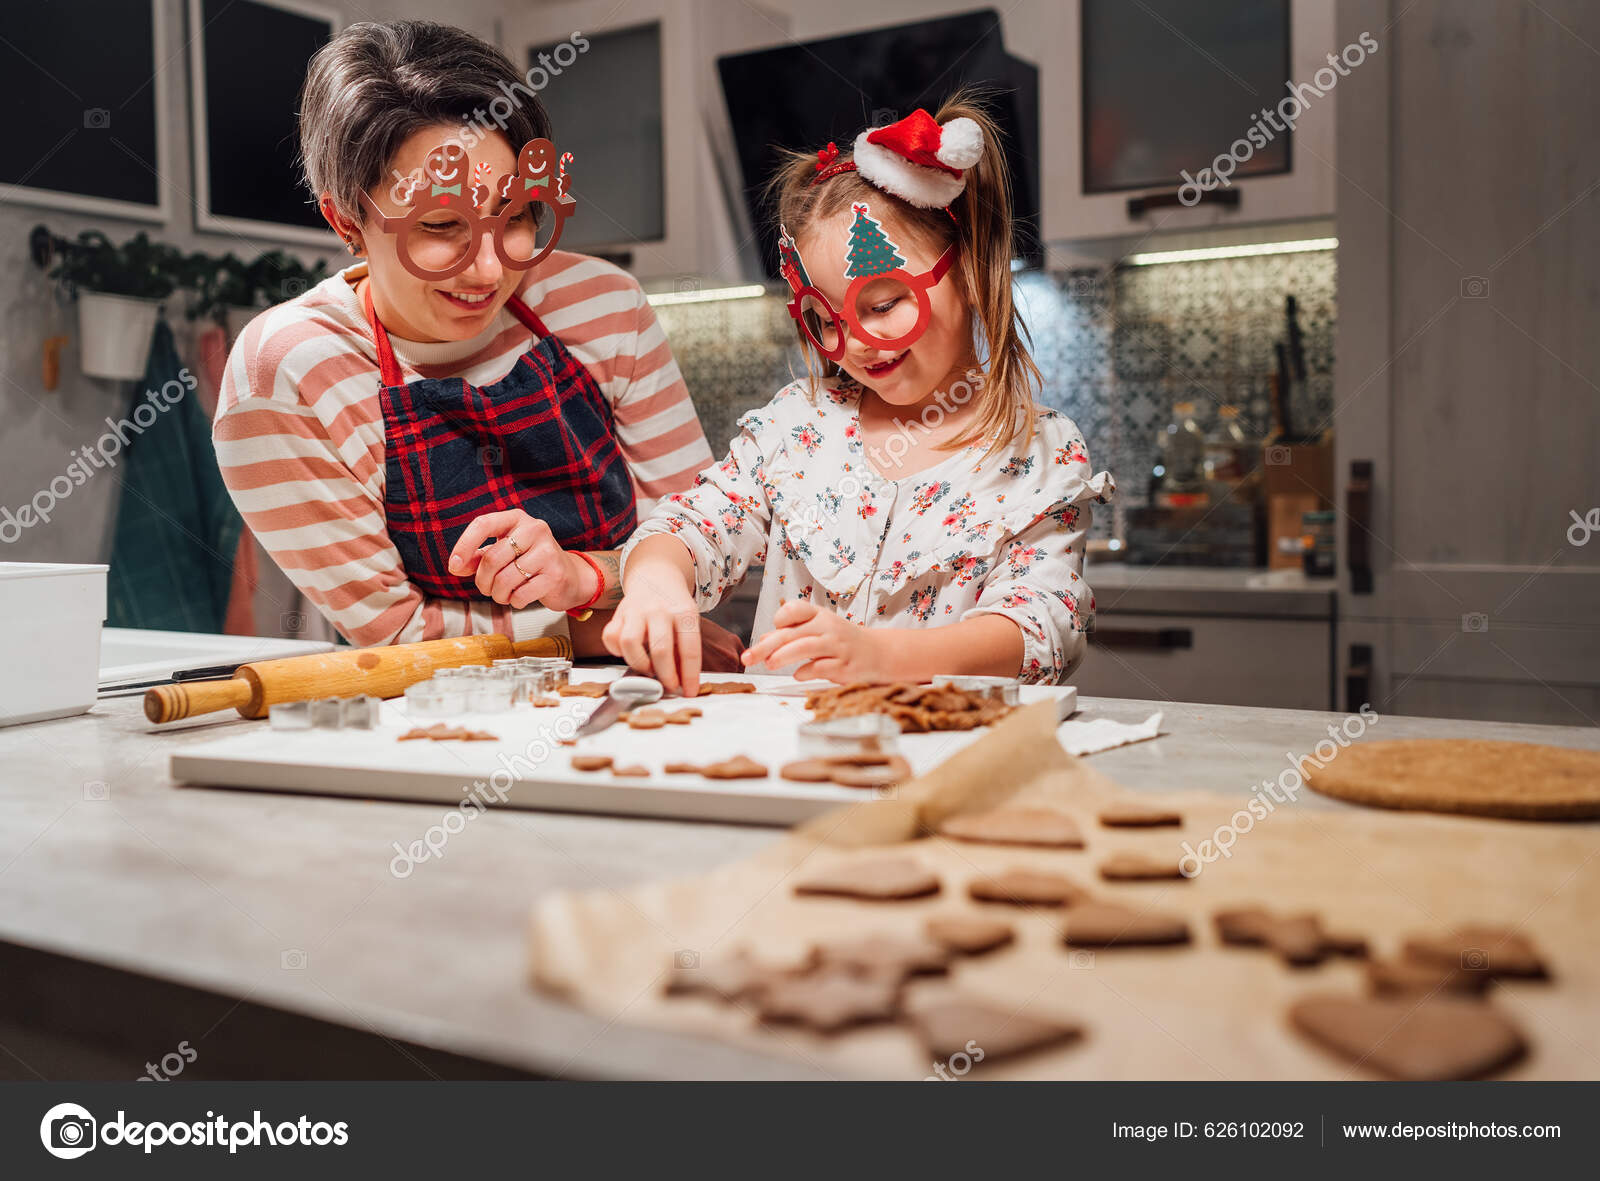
<point x="1306" y="192"/>
<point x="1230" y="637"/>
<point x="704" y="232"/>
<point x="1466" y="420"/>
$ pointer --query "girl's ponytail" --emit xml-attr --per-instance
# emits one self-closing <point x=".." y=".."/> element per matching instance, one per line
<point x="983" y="216"/>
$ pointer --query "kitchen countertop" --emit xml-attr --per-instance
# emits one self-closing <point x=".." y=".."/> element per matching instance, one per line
<point x="1204" y="590"/>
<point x="287" y="901"/>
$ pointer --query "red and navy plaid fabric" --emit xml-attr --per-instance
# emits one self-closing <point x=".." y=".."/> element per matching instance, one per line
<point x="541" y="439"/>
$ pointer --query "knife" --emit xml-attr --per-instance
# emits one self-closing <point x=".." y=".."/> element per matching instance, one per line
<point x="624" y="694"/>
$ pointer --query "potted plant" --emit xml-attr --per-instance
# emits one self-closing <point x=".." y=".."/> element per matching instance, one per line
<point x="119" y="291"/>
<point x="235" y="292"/>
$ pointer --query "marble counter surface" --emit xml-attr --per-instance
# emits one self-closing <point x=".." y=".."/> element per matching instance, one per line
<point x="288" y="901"/>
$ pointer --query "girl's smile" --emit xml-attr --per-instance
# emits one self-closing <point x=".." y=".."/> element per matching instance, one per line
<point x="884" y="368"/>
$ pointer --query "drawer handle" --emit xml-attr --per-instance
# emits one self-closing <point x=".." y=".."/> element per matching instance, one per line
<point x="1138" y="637"/>
<point x="1358" y="526"/>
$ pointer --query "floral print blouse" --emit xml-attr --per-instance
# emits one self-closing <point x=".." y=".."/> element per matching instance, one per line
<point x="968" y="536"/>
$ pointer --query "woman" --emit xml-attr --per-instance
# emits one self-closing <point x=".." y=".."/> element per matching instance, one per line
<point x="456" y="434"/>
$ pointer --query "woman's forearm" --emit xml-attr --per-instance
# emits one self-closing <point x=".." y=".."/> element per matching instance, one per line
<point x="610" y="568"/>
<point x="986" y="645"/>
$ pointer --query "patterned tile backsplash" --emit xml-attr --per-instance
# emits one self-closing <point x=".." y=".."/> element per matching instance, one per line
<point x="1117" y="350"/>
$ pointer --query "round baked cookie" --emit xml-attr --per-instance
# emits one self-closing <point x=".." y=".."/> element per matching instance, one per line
<point x="1515" y="780"/>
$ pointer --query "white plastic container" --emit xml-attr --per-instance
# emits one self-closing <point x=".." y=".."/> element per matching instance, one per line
<point x="114" y="334"/>
<point x="52" y="617"/>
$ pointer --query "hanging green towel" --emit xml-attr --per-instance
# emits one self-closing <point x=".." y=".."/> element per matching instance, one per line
<point x="177" y="529"/>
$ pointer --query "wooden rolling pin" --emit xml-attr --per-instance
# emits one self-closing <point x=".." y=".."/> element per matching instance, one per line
<point x="348" y="672"/>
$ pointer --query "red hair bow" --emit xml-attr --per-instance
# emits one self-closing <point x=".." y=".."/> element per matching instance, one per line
<point x="826" y="156"/>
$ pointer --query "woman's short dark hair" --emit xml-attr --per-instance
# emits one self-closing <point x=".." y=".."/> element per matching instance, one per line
<point x="374" y="85"/>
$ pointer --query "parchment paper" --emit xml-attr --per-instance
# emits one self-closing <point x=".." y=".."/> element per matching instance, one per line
<point x="1197" y="1012"/>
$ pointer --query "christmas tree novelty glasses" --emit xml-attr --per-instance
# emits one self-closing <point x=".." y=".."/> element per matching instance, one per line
<point x="440" y="234"/>
<point x="885" y="305"/>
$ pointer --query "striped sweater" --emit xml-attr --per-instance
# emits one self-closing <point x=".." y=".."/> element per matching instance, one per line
<point x="299" y="435"/>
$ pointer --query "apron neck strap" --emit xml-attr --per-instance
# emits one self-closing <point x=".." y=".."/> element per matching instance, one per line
<point x="389" y="367"/>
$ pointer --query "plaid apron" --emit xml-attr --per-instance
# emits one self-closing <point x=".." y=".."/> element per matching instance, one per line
<point x="540" y="439"/>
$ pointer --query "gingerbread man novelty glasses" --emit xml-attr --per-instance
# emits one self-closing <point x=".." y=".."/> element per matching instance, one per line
<point x="885" y="305"/>
<point x="440" y="234"/>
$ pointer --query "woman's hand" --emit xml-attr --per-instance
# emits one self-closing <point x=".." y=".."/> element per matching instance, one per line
<point x="656" y="627"/>
<point x="535" y="570"/>
<point x="825" y="645"/>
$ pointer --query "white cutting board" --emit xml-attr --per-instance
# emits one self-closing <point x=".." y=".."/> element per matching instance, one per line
<point x="530" y="770"/>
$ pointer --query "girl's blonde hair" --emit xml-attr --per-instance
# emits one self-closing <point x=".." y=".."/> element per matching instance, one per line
<point x="982" y="226"/>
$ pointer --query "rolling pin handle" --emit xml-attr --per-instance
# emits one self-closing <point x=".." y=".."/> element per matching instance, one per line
<point x="168" y="703"/>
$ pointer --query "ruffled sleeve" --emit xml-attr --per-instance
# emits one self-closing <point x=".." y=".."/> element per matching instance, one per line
<point x="723" y="519"/>
<point x="1036" y="580"/>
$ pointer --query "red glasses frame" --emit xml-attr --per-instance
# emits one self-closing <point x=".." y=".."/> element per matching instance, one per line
<point x="518" y="190"/>
<point x="848" y="321"/>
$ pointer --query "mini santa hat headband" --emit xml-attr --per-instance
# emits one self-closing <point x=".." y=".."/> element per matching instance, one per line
<point x="916" y="159"/>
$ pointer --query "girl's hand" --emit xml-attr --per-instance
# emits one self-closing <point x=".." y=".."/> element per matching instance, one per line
<point x="542" y="572"/>
<point x="826" y="645"/>
<point x="656" y="627"/>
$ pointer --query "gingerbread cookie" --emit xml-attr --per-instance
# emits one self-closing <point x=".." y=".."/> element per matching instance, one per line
<point x="1517" y="780"/>
<point x="829" y="999"/>
<point x="713" y="688"/>
<point x="807" y="771"/>
<point x="738" y="767"/>
<point x="860" y="770"/>
<point x="1028" y="887"/>
<point x="631" y="772"/>
<point x="1494" y="951"/>
<point x="645" y="719"/>
<point x="440" y="732"/>
<point x="1404" y="977"/>
<point x="1438" y="1039"/>
<point x="887" y="954"/>
<point x="583" y="689"/>
<point x="1137" y="867"/>
<point x="1105" y="924"/>
<point x="730" y="978"/>
<point x="682" y="717"/>
<point x="1014" y="825"/>
<point x="682" y="768"/>
<point x="1298" y="939"/>
<point x="949" y="1025"/>
<point x="591" y="762"/>
<point x="897" y="770"/>
<point x="917" y="708"/>
<point x="1139" y="816"/>
<point x="969" y="934"/>
<point x="882" y="879"/>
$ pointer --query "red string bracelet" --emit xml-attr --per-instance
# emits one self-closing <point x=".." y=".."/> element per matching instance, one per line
<point x="583" y="612"/>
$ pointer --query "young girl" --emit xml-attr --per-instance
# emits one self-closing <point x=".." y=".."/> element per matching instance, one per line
<point x="916" y="511"/>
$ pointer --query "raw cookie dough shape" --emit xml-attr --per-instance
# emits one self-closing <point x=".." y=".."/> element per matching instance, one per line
<point x="1014" y="825"/>
<point x="1515" y="780"/>
<point x="1437" y="1039"/>
<point x="879" y="879"/>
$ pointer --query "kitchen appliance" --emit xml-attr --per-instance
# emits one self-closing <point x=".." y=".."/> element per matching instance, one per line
<point x="1137" y="56"/>
<point x="805" y="95"/>
<point x="52" y="666"/>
